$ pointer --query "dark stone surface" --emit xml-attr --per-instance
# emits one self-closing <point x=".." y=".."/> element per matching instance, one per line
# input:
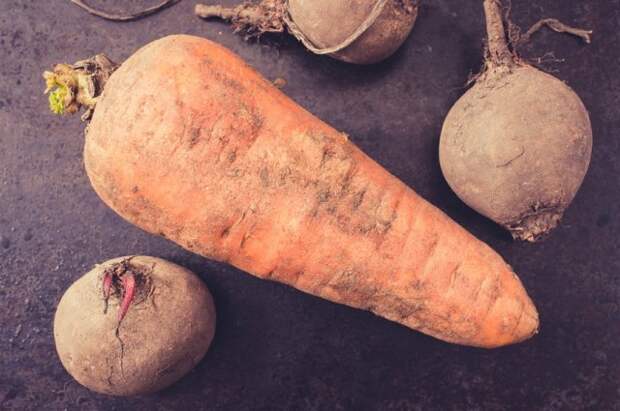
<point x="277" y="348"/>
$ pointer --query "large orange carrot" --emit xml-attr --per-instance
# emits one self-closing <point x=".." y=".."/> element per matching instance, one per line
<point x="190" y="143"/>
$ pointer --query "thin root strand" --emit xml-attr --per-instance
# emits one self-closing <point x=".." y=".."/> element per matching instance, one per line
<point x="557" y="26"/>
<point x="124" y="17"/>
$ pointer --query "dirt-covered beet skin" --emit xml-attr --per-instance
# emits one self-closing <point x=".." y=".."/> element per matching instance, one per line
<point x="166" y="330"/>
<point x="327" y="23"/>
<point x="516" y="147"/>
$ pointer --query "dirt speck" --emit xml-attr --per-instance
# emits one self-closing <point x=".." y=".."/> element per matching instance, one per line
<point x="279" y="82"/>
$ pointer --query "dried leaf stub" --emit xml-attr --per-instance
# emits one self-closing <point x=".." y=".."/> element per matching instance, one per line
<point x="253" y="19"/>
<point x="76" y="86"/>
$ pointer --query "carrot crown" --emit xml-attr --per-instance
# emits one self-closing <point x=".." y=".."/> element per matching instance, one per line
<point x="71" y="87"/>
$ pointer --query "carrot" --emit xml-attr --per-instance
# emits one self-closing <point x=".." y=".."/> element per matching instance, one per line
<point x="189" y="142"/>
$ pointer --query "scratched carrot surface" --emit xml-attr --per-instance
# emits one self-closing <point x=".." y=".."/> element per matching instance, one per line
<point x="188" y="142"/>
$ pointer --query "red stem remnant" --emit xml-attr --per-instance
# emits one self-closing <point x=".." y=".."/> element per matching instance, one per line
<point x="120" y="280"/>
<point x="107" y="285"/>
<point x="129" y="289"/>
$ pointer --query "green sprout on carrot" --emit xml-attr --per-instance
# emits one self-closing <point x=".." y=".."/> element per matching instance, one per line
<point x="57" y="98"/>
<point x="60" y="85"/>
<point x="68" y="89"/>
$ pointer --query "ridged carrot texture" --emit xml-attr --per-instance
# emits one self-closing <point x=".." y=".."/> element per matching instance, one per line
<point x="188" y="142"/>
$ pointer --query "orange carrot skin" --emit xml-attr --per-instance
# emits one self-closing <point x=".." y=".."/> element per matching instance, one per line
<point x="189" y="142"/>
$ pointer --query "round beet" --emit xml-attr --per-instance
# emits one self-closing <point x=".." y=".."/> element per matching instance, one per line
<point x="133" y="325"/>
<point x="355" y="31"/>
<point x="517" y="145"/>
<point x="330" y="24"/>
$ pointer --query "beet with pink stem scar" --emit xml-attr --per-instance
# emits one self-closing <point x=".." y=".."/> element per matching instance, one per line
<point x="157" y="323"/>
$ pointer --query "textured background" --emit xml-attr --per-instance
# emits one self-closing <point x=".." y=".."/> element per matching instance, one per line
<point x="276" y="348"/>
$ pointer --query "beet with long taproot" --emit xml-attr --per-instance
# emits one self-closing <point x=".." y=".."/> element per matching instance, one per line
<point x="516" y="147"/>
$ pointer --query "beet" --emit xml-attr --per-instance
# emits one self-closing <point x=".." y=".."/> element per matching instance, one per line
<point x="133" y="325"/>
<point x="516" y="147"/>
<point x="355" y="31"/>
